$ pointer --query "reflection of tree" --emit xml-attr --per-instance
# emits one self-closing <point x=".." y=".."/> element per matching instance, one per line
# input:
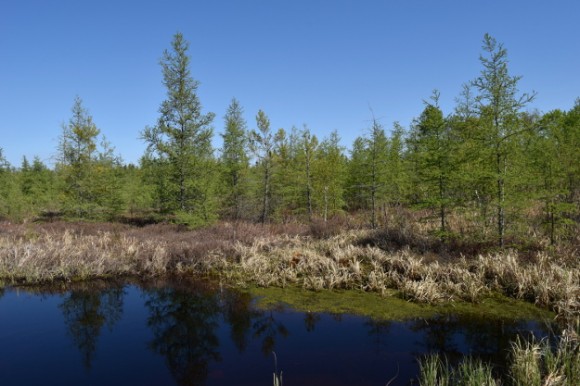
<point x="238" y="314"/>
<point x="184" y="324"/>
<point x="310" y="320"/>
<point x="378" y="329"/>
<point x="439" y="332"/>
<point x="267" y="327"/>
<point x="487" y="339"/>
<point x="85" y="312"/>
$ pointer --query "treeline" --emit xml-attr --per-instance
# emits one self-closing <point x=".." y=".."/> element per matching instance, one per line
<point x="490" y="162"/>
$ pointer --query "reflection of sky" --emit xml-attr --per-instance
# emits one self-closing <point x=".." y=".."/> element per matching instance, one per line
<point x="35" y="347"/>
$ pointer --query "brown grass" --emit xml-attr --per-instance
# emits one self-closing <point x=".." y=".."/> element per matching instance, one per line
<point x="314" y="257"/>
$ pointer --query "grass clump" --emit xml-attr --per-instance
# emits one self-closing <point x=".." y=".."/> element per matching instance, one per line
<point x="284" y="255"/>
<point x="531" y="363"/>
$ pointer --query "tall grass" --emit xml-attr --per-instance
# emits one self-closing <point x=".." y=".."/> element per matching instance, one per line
<point x="282" y="255"/>
<point x="531" y="363"/>
<point x="435" y="371"/>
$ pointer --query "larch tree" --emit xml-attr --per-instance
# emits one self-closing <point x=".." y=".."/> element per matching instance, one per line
<point x="306" y="157"/>
<point x="181" y="141"/>
<point x="434" y="151"/>
<point x="498" y="104"/>
<point x="88" y="168"/>
<point x="76" y="163"/>
<point x="330" y="176"/>
<point x="377" y="150"/>
<point x="37" y="185"/>
<point x="397" y="171"/>
<point x="356" y="192"/>
<point x="262" y="144"/>
<point x="6" y="178"/>
<point x="235" y="160"/>
<point x="556" y="160"/>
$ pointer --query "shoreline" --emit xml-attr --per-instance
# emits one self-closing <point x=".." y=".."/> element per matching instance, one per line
<point x="246" y="255"/>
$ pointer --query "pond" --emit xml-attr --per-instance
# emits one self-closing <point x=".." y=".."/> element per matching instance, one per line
<point x="201" y="334"/>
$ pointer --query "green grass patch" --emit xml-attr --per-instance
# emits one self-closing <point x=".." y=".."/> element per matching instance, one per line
<point x="390" y="306"/>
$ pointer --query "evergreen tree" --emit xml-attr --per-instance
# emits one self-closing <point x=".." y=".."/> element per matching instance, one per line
<point x="357" y="193"/>
<point x="38" y="187"/>
<point x="555" y="158"/>
<point x="330" y="176"/>
<point x="498" y="105"/>
<point x="235" y="160"/>
<point x="262" y="143"/>
<point x="76" y="163"/>
<point x="288" y="198"/>
<point x="433" y="153"/>
<point x="377" y="149"/>
<point x="181" y="141"/>
<point x="88" y="169"/>
<point x="397" y="173"/>
<point x="368" y="171"/>
<point x="307" y="162"/>
<point x="137" y="192"/>
<point x="5" y="185"/>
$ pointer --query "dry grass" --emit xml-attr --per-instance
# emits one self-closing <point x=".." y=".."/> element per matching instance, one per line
<point x="531" y="363"/>
<point x="282" y="255"/>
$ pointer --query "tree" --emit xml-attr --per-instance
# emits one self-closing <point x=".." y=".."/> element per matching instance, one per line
<point x="306" y="157"/>
<point x="554" y="156"/>
<point x="377" y="149"/>
<point x="88" y="168"/>
<point x="181" y="139"/>
<point x="357" y="194"/>
<point x="37" y="186"/>
<point x="498" y="105"/>
<point x="433" y="151"/>
<point x="6" y="185"/>
<point x="368" y="170"/>
<point x="262" y="144"/>
<point x="330" y="175"/>
<point x="235" y="160"/>
<point x="397" y="173"/>
<point x="77" y="157"/>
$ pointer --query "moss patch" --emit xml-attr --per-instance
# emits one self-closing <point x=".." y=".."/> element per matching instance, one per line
<point x="389" y="306"/>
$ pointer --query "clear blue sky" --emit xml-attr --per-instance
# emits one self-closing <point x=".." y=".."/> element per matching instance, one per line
<point x="317" y="62"/>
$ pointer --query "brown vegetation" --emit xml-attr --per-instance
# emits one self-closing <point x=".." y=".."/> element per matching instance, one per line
<point x="313" y="257"/>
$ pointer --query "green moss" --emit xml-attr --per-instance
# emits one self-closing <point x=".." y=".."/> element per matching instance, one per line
<point x="391" y="307"/>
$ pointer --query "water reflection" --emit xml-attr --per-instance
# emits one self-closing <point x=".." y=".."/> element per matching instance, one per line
<point x="379" y="331"/>
<point x="85" y="312"/>
<point x="239" y="314"/>
<point x="310" y="320"/>
<point x="456" y="336"/>
<point x="199" y="334"/>
<point x="267" y="327"/>
<point x="184" y="326"/>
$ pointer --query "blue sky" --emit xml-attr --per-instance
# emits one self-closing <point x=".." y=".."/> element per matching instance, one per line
<point x="321" y="63"/>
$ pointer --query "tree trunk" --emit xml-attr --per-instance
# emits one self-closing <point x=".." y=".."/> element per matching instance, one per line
<point x="500" y="202"/>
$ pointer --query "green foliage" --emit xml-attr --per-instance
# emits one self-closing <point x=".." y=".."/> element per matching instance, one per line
<point x="433" y="155"/>
<point x="554" y="158"/>
<point x="398" y="186"/>
<point x="329" y="175"/>
<point x="262" y="145"/>
<point x="489" y="172"/>
<point x="88" y="170"/>
<point x="498" y="105"/>
<point x="235" y="163"/>
<point x="368" y="172"/>
<point x="180" y="143"/>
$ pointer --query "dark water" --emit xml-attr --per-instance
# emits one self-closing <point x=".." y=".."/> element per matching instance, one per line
<point x="198" y="335"/>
